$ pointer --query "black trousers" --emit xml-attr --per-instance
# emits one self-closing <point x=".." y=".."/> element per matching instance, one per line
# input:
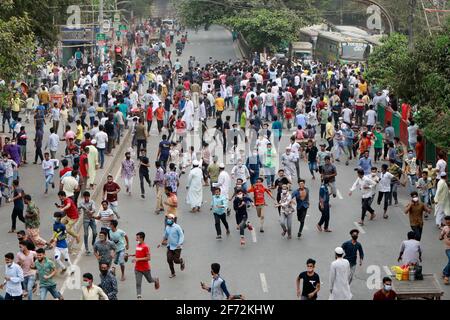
<point x="301" y="215"/>
<point x="366" y="207"/>
<point x="325" y="218"/>
<point x="386" y="196"/>
<point x="217" y="219"/>
<point x="38" y="154"/>
<point x="16" y="213"/>
<point x="322" y="130"/>
<point x="141" y="143"/>
<point x="418" y="231"/>
<point x="173" y="257"/>
<point x="143" y="176"/>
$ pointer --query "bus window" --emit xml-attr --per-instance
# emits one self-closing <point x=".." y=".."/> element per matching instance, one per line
<point x="354" y="51"/>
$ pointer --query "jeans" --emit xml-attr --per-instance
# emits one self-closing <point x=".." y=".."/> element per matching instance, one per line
<point x="16" y="213"/>
<point x="86" y="225"/>
<point x="173" y="257"/>
<point x="301" y="215"/>
<point x="393" y="193"/>
<point x="378" y="152"/>
<point x="418" y="231"/>
<point x="52" y="289"/>
<point x="366" y="207"/>
<point x="217" y="219"/>
<point x="446" y="270"/>
<point x="48" y="181"/>
<point x="28" y="284"/>
<point x="101" y="156"/>
<point x="38" y="154"/>
<point x="412" y="178"/>
<point x="241" y="221"/>
<point x="325" y="218"/>
<point x="141" y="143"/>
<point x="312" y="167"/>
<point x="139" y="275"/>
<point x="269" y="110"/>
<point x="286" y="223"/>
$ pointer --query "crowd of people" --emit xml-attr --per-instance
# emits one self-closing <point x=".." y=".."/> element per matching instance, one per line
<point x="211" y="117"/>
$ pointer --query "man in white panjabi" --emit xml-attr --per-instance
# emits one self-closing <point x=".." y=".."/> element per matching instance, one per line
<point x="340" y="277"/>
<point x="188" y="116"/>
<point x="442" y="199"/>
<point x="194" y="186"/>
<point x="223" y="183"/>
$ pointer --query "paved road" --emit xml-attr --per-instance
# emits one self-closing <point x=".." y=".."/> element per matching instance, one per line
<point x="267" y="266"/>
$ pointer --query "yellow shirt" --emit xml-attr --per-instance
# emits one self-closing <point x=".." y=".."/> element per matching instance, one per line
<point x="93" y="293"/>
<point x="220" y="104"/>
<point x="15" y="104"/>
<point x="329" y="131"/>
<point x="79" y="135"/>
<point x="362" y="87"/>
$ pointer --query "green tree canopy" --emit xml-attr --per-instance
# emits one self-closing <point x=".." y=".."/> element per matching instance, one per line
<point x="421" y="77"/>
<point x="264" y="28"/>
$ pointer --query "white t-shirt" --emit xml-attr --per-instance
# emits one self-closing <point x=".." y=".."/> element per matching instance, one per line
<point x="371" y="117"/>
<point x="70" y="184"/>
<point x="412" y="134"/>
<point x="101" y="138"/>
<point x="441" y="165"/>
<point x="347" y="115"/>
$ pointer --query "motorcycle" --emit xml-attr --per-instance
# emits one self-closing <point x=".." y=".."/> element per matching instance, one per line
<point x="179" y="51"/>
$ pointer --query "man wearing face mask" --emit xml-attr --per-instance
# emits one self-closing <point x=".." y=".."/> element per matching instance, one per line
<point x="352" y="248"/>
<point x="13" y="278"/>
<point x="90" y="291"/>
<point x="386" y="292"/>
<point x="108" y="281"/>
<point x="173" y="238"/>
<point x="240" y="171"/>
<point x="410" y="169"/>
<point x="416" y="210"/>
<point x="46" y="271"/>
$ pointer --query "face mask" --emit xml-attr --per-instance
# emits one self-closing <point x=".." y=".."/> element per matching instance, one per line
<point x="355" y="238"/>
<point x="415" y="199"/>
<point x="169" y="222"/>
<point x="240" y="196"/>
<point x="128" y="158"/>
<point x="104" y="272"/>
<point x="9" y="264"/>
<point x="85" y="284"/>
<point x="284" y="191"/>
<point x="387" y="287"/>
<point x="410" y="155"/>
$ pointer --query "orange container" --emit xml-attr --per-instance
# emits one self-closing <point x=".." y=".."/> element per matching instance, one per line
<point x="405" y="274"/>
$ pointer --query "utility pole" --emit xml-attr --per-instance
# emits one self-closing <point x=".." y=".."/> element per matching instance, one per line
<point x="412" y="9"/>
<point x="341" y="10"/>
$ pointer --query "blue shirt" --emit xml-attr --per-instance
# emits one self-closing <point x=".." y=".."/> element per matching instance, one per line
<point x="219" y="200"/>
<point x="60" y="228"/>
<point x="324" y="195"/>
<point x="301" y="120"/>
<point x="277" y="127"/>
<point x="174" y="236"/>
<point x="365" y="164"/>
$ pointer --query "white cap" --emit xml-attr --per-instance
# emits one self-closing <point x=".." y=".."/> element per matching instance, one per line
<point x="195" y="163"/>
<point x="339" y="251"/>
<point x="222" y="165"/>
<point x="171" y="216"/>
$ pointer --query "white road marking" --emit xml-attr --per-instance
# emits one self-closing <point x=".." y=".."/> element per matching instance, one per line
<point x="265" y="288"/>
<point x="254" y="235"/>
<point x="339" y="194"/>
<point x="387" y="270"/>
<point x="360" y="228"/>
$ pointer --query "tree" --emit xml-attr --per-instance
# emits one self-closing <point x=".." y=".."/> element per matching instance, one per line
<point x="264" y="28"/>
<point x="18" y="46"/>
<point x="421" y="78"/>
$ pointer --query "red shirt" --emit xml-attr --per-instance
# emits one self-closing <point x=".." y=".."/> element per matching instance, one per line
<point x="321" y="105"/>
<point x="85" y="143"/>
<point x="111" y="187"/>
<point x="289" y="113"/>
<point x="83" y="163"/>
<point x="187" y="85"/>
<point x="160" y="114"/>
<point x="72" y="212"/>
<point x="258" y="191"/>
<point x="420" y="148"/>
<point x="379" y="295"/>
<point x="149" y="113"/>
<point x="63" y="171"/>
<point x="142" y="250"/>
